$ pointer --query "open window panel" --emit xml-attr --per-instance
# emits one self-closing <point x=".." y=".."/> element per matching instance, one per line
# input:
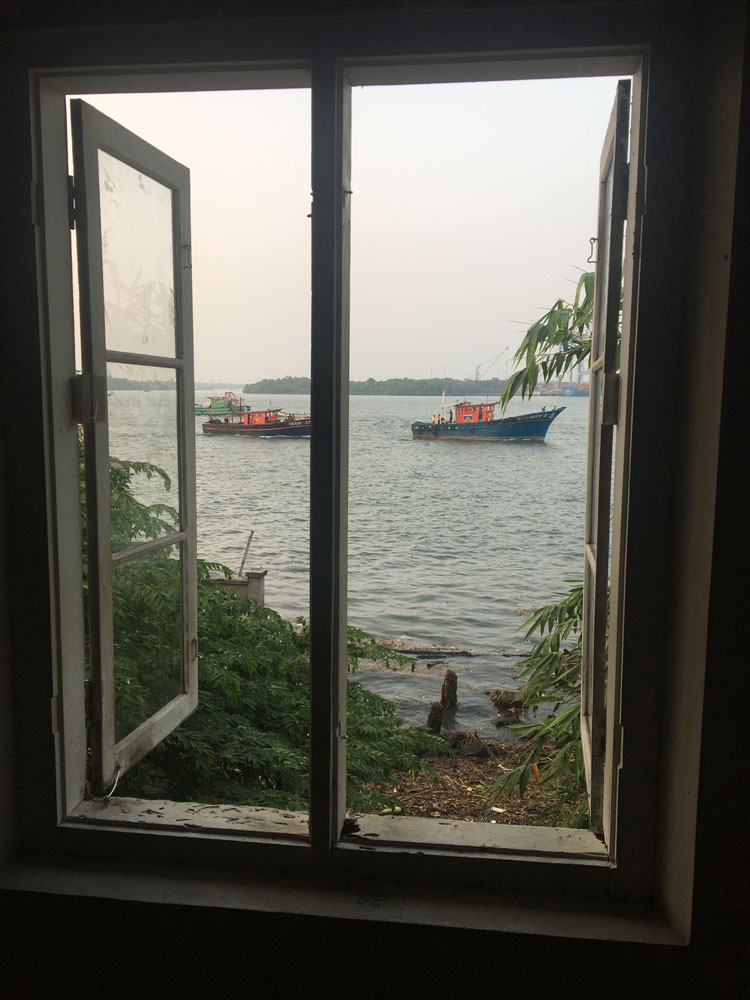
<point x="132" y="216"/>
<point x="454" y="540"/>
<point x="179" y="479"/>
<point x="603" y="417"/>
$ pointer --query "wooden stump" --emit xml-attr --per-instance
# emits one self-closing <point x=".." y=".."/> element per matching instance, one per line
<point x="449" y="694"/>
<point x="435" y="718"/>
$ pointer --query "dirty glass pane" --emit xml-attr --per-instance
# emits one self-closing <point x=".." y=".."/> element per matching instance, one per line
<point x="147" y="620"/>
<point x="137" y="260"/>
<point x="144" y="484"/>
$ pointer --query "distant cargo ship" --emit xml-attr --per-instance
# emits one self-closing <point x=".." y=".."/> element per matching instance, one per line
<point x="562" y="389"/>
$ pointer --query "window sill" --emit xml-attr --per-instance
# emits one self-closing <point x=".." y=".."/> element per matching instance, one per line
<point x="341" y="898"/>
<point x="402" y="833"/>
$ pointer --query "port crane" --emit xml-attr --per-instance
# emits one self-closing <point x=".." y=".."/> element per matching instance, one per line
<point x="486" y="365"/>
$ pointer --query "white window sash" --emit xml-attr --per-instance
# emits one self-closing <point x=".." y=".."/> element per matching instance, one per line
<point x="603" y="406"/>
<point x="92" y="132"/>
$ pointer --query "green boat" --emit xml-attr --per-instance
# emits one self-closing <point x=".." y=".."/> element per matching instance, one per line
<point x="219" y="406"/>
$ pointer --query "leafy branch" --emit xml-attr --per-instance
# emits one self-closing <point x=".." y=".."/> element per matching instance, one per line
<point x="558" y="341"/>
<point x="552" y="681"/>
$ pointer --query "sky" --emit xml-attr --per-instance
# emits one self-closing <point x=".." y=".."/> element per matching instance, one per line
<point x="472" y="209"/>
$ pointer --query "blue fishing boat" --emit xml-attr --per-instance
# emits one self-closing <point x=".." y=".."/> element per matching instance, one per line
<point x="476" y="422"/>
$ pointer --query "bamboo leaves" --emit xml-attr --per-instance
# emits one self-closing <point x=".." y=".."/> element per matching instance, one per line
<point x="552" y="682"/>
<point x="558" y="341"/>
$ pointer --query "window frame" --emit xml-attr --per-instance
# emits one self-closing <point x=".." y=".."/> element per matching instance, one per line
<point x="628" y="899"/>
<point x="331" y="82"/>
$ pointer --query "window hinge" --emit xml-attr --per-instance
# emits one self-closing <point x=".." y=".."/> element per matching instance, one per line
<point x="88" y="398"/>
<point x="187" y="255"/>
<point x="71" y="203"/>
<point x="611" y="398"/>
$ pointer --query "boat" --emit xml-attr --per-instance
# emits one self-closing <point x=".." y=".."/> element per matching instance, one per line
<point x="260" y="423"/>
<point x="562" y="389"/>
<point x="218" y="406"/>
<point x="476" y="422"/>
<point x="575" y="389"/>
<point x="547" y="389"/>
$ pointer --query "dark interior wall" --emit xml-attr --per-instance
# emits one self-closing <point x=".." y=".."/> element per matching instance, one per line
<point x="125" y="949"/>
<point x="722" y="887"/>
<point x="111" y="948"/>
<point x="6" y="699"/>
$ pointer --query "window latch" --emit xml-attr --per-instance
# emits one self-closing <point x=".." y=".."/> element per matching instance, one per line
<point x="88" y="398"/>
<point x="71" y="203"/>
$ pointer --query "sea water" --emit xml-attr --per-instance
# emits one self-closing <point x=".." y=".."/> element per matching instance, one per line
<point x="451" y="543"/>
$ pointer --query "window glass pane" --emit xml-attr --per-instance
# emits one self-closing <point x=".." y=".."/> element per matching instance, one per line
<point x="142" y="410"/>
<point x="147" y="620"/>
<point x="137" y="260"/>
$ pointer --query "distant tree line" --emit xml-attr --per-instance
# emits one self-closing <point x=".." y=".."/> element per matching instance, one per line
<point x="288" y="384"/>
<point x="114" y="382"/>
<point x="388" y="386"/>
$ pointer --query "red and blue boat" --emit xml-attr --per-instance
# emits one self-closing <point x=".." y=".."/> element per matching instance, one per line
<point x="476" y="422"/>
<point x="260" y="423"/>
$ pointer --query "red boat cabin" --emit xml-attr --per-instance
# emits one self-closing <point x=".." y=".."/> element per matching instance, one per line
<point x="472" y="413"/>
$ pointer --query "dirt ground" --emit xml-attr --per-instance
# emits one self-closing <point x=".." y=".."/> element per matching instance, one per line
<point x="460" y="787"/>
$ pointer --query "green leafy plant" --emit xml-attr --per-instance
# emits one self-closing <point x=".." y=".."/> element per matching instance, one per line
<point x="248" y="739"/>
<point x="551" y="676"/>
<point x="558" y="341"/>
<point x="555" y="343"/>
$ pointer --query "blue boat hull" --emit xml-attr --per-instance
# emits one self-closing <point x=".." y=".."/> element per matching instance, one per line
<point x="527" y="427"/>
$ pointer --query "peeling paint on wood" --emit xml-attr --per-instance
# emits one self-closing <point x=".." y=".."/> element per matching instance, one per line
<point x="193" y="816"/>
<point x="412" y="832"/>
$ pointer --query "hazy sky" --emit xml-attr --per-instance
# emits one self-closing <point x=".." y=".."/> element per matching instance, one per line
<point x="472" y="209"/>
